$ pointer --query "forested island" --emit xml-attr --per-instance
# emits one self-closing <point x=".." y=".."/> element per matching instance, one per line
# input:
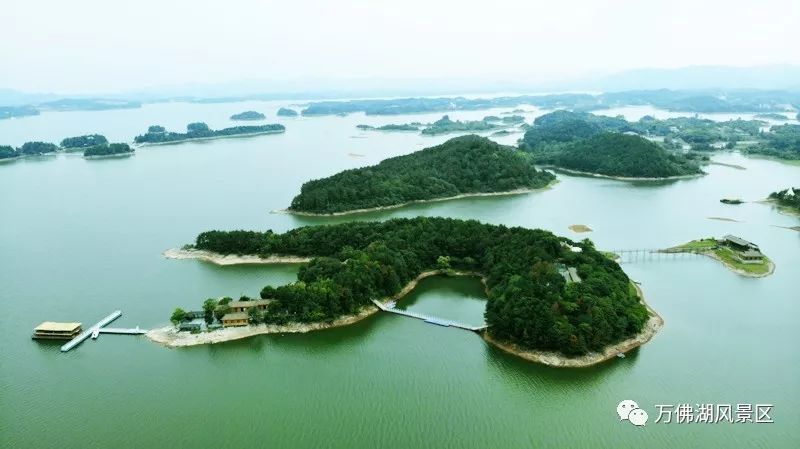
<point x="8" y="152"/>
<point x="599" y="145"/>
<point x="248" y="115"/>
<point x="446" y="125"/>
<point x="286" y="112"/>
<point x="789" y="198"/>
<point x="83" y="142"/>
<point x="461" y="166"/>
<point x="158" y="135"/>
<point x="37" y="148"/>
<point x="7" y="112"/>
<point x="708" y="100"/>
<point x="531" y="303"/>
<point x="113" y="149"/>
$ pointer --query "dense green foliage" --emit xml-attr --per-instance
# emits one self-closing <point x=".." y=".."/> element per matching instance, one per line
<point x="467" y="164"/>
<point x="286" y="112"/>
<point x="771" y="116"/>
<point x="83" y="141"/>
<point x="157" y="134"/>
<point x="529" y="302"/>
<point x="33" y="148"/>
<point x="108" y="150"/>
<point x="7" y="152"/>
<point x="248" y="115"/>
<point x="789" y="197"/>
<point x="445" y="125"/>
<point x="623" y="155"/>
<point x="782" y="141"/>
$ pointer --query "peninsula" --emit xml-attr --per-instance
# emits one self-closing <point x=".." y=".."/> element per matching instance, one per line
<point x="543" y="295"/>
<point x="462" y="166"/>
<point x="157" y="135"/>
<point x="737" y="254"/>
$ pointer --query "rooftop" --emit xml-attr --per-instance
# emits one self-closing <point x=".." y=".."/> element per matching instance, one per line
<point x="50" y="326"/>
<point x="253" y="303"/>
<point x="739" y="241"/>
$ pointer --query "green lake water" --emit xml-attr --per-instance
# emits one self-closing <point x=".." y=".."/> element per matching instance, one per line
<point x="79" y="239"/>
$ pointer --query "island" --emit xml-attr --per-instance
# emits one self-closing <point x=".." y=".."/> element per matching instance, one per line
<point x="788" y="199"/>
<point x="108" y="150"/>
<point x="157" y="135"/>
<point x="732" y="201"/>
<point x="37" y="148"/>
<point x="83" y="142"/>
<point x="617" y="156"/>
<point x="286" y="112"/>
<point x="549" y="299"/>
<point x="737" y="254"/>
<point x="771" y="116"/>
<point x="462" y="166"/>
<point x="8" y="152"/>
<point x="391" y="127"/>
<point x="7" y="112"/>
<point x="248" y="115"/>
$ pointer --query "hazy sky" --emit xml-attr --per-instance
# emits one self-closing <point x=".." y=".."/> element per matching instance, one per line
<point x="106" y="45"/>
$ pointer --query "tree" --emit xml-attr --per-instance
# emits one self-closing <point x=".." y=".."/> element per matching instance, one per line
<point x="443" y="262"/>
<point x="221" y="310"/>
<point x="178" y="316"/>
<point x="254" y="316"/>
<point x="209" y="305"/>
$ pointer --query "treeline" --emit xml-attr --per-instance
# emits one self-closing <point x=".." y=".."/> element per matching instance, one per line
<point x="467" y="164"/>
<point x="709" y="100"/>
<point x="248" y="115"/>
<point x="783" y="141"/>
<point x="91" y="144"/>
<point x="529" y="302"/>
<point x="197" y="130"/>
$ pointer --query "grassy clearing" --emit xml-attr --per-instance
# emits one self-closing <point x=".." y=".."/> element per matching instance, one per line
<point x="701" y="245"/>
<point x="729" y="257"/>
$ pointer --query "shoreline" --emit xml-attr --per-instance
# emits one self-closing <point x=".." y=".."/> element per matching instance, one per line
<point x="558" y="360"/>
<point x="171" y="338"/>
<point x="109" y="156"/>
<point x="231" y="259"/>
<point x="621" y="178"/>
<point x="409" y="203"/>
<point x="196" y="139"/>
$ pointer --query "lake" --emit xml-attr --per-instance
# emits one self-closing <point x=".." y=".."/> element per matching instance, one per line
<point x="79" y="239"/>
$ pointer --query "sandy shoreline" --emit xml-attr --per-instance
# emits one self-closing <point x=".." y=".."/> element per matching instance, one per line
<point x="409" y="203"/>
<point x="620" y="178"/>
<point x="554" y="359"/>
<point x="231" y="259"/>
<point x="197" y="139"/>
<point x="170" y="337"/>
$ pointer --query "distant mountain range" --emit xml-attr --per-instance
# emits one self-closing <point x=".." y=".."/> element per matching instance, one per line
<point x="773" y="77"/>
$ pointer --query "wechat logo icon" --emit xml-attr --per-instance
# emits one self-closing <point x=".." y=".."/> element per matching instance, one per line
<point x="629" y="411"/>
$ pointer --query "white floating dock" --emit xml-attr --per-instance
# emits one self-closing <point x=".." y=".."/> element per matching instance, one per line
<point x="88" y="332"/>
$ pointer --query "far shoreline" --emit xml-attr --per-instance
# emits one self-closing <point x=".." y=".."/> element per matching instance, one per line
<point x="410" y="203"/>
<point x="198" y="139"/>
<point x="620" y="178"/>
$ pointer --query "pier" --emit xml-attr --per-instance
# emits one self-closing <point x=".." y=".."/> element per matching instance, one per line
<point x="429" y="319"/>
<point x="644" y="255"/>
<point x="100" y="328"/>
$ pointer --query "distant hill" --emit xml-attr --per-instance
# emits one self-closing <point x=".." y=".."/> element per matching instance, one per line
<point x="698" y="77"/>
